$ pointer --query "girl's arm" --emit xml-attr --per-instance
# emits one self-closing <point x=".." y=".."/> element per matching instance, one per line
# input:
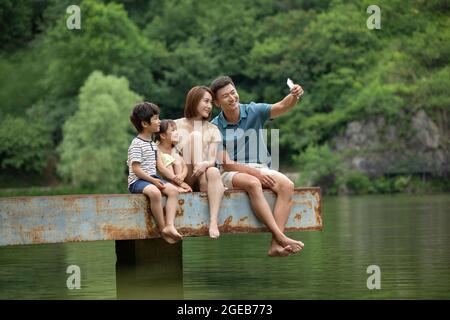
<point x="181" y="169"/>
<point x="169" y="174"/>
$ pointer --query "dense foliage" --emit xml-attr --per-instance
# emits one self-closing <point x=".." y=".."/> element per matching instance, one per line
<point x="53" y="102"/>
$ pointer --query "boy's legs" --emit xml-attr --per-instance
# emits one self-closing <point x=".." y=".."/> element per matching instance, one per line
<point x="261" y="208"/>
<point x="171" y="206"/>
<point x="154" y="195"/>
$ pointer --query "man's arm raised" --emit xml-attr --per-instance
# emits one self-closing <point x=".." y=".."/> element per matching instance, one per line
<point x="287" y="103"/>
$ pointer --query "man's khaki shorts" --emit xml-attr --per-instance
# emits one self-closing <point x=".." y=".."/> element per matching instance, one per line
<point x="227" y="176"/>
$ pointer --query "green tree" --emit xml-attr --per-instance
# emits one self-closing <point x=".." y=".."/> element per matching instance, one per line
<point x="94" y="148"/>
<point x="108" y="41"/>
<point x="319" y="166"/>
<point x="15" y="23"/>
<point x="24" y="144"/>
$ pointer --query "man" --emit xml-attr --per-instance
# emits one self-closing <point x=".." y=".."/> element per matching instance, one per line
<point x="249" y="170"/>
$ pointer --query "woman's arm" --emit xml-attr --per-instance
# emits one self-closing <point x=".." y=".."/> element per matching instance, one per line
<point x="201" y="167"/>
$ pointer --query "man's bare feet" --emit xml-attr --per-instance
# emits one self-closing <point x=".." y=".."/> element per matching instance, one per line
<point x="276" y="250"/>
<point x="295" y="245"/>
<point x="169" y="232"/>
<point x="214" y="232"/>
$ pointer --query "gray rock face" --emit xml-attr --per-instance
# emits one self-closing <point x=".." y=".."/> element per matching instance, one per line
<point x="376" y="147"/>
<point x="427" y="133"/>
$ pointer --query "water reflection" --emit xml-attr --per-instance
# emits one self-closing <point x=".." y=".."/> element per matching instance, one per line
<point x="407" y="236"/>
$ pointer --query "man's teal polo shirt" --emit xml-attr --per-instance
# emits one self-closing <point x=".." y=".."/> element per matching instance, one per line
<point x="245" y="141"/>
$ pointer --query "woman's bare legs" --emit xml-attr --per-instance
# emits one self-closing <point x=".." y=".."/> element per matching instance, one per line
<point x="211" y="182"/>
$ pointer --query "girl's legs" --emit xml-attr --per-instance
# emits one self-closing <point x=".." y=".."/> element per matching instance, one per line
<point x="171" y="206"/>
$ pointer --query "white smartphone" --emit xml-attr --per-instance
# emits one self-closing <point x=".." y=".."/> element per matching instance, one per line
<point x="290" y="84"/>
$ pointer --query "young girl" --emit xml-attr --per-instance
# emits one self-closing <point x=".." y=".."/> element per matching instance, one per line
<point x="166" y="139"/>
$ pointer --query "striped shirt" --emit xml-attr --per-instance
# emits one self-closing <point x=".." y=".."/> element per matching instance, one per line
<point x="144" y="152"/>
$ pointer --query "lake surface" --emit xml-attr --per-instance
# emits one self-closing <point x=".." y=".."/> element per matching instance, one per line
<point x="406" y="236"/>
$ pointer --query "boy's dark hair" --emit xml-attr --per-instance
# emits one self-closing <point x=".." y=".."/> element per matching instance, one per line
<point x="163" y="127"/>
<point x="219" y="83"/>
<point x="143" y="111"/>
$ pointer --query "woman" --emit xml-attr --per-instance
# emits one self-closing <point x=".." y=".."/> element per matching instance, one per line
<point x="198" y="143"/>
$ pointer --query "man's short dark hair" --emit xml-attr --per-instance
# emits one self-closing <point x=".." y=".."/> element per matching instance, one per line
<point x="219" y="83"/>
<point x="143" y="111"/>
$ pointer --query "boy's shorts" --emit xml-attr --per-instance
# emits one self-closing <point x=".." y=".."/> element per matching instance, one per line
<point x="227" y="176"/>
<point x="139" y="185"/>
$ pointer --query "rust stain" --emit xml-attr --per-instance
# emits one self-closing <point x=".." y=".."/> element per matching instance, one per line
<point x="179" y="212"/>
<point x="298" y="217"/>
<point x="312" y="228"/>
<point x="228" y="220"/>
<point x="241" y="229"/>
<point x="71" y="203"/>
<point x="199" y="231"/>
<point x="180" y="209"/>
<point x="226" y="227"/>
<point x="204" y="230"/>
<point x="36" y="234"/>
<point x="149" y="222"/>
<point x="243" y="219"/>
<point x="318" y="212"/>
<point x="113" y="232"/>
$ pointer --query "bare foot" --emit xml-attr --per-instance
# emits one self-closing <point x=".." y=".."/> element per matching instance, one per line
<point x="295" y="245"/>
<point x="171" y="232"/>
<point x="168" y="239"/>
<point x="182" y="190"/>
<point x="214" y="231"/>
<point x="276" y="250"/>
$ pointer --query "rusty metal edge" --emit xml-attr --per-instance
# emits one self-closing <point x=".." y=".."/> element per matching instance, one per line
<point x="101" y="195"/>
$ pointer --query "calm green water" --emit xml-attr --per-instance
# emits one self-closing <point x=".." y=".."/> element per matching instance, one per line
<point x="406" y="236"/>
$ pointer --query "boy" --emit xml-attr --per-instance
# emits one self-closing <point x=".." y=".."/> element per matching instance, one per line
<point x="143" y="161"/>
